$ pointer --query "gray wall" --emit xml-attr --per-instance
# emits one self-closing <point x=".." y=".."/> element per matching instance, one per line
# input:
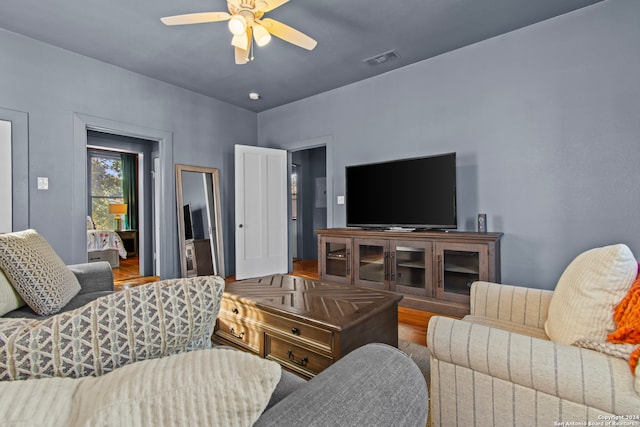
<point x="51" y="84"/>
<point x="545" y="121"/>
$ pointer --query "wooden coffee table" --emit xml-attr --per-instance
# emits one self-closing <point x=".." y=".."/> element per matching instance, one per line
<point x="302" y="324"/>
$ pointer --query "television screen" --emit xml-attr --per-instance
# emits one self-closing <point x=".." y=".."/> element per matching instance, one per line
<point x="188" y="222"/>
<point x="410" y="193"/>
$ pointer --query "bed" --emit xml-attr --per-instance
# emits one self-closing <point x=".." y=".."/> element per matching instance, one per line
<point x="105" y="245"/>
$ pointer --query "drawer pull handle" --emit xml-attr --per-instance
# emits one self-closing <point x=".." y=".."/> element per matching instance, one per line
<point x="295" y="331"/>
<point x="240" y="336"/>
<point x="234" y="310"/>
<point x="301" y="362"/>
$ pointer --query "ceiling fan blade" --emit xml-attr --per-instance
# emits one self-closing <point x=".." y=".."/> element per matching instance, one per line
<point x="273" y="4"/>
<point x="240" y="41"/>
<point x="242" y="52"/>
<point x="288" y="34"/>
<point x="195" y="18"/>
<point x="242" y="56"/>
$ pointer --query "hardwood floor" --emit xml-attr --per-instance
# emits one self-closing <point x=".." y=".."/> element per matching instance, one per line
<point x="129" y="274"/>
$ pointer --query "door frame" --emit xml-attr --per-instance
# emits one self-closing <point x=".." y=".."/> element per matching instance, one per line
<point x="168" y="234"/>
<point x="308" y="144"/>
<point x="20" y="166"/>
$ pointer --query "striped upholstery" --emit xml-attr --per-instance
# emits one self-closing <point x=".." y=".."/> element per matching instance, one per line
<point x="525" y="306"/>
<point x="483" y="375"/>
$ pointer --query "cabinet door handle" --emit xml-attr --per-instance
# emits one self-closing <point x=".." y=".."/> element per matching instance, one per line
<point x="392" y="266"/>
<point x="295" y="331"/>
<point x="234" y="310"/>
<point x="439" y="271"/>
<point x="348" y="262"/>
<point x="301" y="362"/>
<point x="386" y="266"/>
<point x="240" y="336"/>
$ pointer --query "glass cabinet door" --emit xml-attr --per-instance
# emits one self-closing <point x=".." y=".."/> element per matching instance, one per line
<point x="336" y="259"/>
<point x="411" y="267"/>
<point x="371" y="259"/>
<point x="459" y="265"/>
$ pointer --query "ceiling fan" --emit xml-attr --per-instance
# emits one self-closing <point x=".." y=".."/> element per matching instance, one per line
<point x="246" y="24"/>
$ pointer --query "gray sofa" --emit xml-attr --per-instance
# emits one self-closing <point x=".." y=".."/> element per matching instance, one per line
<point x="375" y="385"/>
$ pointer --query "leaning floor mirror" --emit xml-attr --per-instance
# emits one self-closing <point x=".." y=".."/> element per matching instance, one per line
<point x="199" y="221"/>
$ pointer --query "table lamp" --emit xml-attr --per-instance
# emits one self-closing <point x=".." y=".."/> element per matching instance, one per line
<point x="118" y="209"/>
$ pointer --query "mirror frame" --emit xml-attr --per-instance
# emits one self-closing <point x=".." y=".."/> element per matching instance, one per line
<point x="217" y="246"/>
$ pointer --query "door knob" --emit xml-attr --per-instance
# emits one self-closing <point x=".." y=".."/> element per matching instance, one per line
<point x="239" y="225"/>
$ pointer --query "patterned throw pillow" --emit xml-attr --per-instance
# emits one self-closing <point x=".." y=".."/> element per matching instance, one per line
<point x="36" y="272"/>
<point x="9" y="298"/>
<point x="145" y="322"/>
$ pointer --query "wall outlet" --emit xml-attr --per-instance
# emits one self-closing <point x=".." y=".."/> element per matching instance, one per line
<point x="43" y="183"/>
<point x="341" y="200"/>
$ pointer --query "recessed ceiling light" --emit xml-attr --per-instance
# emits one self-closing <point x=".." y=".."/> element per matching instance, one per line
<point x="254" y="95"/>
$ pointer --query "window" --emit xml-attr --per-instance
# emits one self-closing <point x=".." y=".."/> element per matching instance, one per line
<point x="105" y="186"/>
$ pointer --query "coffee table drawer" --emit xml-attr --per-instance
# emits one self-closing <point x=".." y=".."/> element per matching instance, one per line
<point x="301" y="330"/>
<point x="239" y="333"/>
<point x="295" y="356"/>
<point x="238" y="310"/>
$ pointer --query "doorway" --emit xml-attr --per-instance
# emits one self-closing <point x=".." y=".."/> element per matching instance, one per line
<point x="308" y="203"/>
<point x="119" y="174"/>
<point x="14" y="177"/>
<point x="6" y="179"/>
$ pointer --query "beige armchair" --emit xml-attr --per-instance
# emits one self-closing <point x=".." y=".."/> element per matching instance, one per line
<point x="498" y="367"/>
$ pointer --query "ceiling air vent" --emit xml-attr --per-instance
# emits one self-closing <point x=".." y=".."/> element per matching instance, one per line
<point x="382" y="58"/>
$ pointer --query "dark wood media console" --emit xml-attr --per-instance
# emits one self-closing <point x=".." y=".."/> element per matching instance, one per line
<point x="433" y="270"/>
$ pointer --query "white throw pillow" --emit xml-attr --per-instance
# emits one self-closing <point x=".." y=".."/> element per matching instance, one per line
<point x="591" y="286"/>
<point x="9" y="299"/>
<point x="217" y="387"/>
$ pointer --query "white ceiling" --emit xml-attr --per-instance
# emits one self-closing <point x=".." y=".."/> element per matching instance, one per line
<point x="129" y="34"/>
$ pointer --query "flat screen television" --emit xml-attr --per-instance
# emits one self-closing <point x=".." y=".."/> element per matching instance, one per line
<point x="416" y="193"/>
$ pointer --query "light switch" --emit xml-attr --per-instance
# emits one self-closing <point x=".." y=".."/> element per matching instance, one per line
<point x="43" y="183"/>
<point x="341" y="200"/>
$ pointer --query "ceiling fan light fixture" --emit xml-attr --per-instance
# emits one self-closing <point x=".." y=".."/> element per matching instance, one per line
<point x="261" y="35"/>
<point x="237" y="25"/>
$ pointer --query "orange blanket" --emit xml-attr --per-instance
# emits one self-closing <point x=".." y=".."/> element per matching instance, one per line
<point x="627" y="317"/>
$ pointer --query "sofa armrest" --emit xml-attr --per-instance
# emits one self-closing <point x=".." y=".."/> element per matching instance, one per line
<point x="93" y="276"/>
<point x="374" y="385"/>
<point x="524" y="306"/>
<point x="572" y="374"/>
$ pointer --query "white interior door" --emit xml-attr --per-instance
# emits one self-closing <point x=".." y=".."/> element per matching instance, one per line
<point x="6" y="186"/>
<point x="261" y="211"/>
